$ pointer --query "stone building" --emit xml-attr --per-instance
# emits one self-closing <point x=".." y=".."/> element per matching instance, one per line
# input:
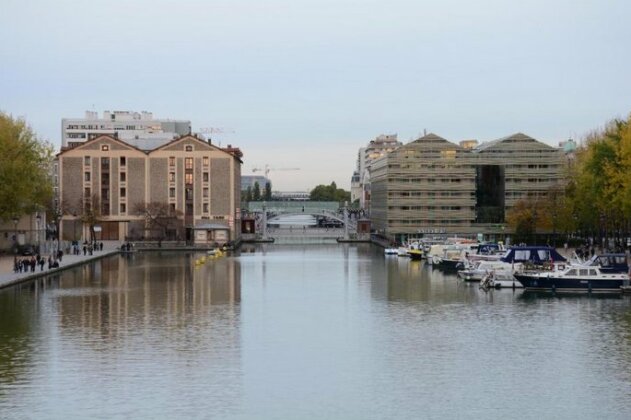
<point x="431" y="186"/>
<point x="186" y="189"/>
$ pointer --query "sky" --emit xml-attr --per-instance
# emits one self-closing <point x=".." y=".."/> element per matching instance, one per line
<point x="306" y="83"/>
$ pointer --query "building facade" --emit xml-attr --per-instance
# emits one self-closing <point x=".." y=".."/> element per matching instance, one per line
<point x="431" y="186"/>
<point x="248" y="181"/>
<point x="360" y="181"/>
<point x="126" y="125"/>
<point x="187" y="189"/>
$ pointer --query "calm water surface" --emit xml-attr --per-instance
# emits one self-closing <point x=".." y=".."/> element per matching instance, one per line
<point x="311" y="332"/>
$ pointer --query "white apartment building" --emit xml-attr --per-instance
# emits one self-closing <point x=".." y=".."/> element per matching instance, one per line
<point x="360" y="182"/>
<point x="125" y="125"/>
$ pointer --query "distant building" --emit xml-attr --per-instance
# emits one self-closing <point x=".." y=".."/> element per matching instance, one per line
<point x="360" y="181"/>
<point x="431" y="186"/>
<point x="291" y="195"/>
<point x="248" y="181"/>
<point x="125" y="125"/>
<point x="196" y="185"/>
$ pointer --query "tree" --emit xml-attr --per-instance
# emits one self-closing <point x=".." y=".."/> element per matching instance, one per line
<point x="91" y="214"/>
<point x="158" y="217"/>
<point x="329" y="193"/>
<point x="267" y="196"/>
<point x="248" y="195"/>
<point x="25" y="162"/>
<point x="256" y="193"/>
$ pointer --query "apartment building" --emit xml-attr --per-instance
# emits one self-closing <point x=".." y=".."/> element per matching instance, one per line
<point x="191" y="185"/>
<point x="126" y="125"/>
<point x="360" y="181"/>
<point x="431" y="186"/>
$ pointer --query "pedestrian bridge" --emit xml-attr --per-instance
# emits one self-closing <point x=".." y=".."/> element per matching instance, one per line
<point x="323" y="222"/>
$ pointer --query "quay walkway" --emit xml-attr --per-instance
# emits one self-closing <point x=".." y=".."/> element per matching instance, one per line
<point x="9" y="278"/>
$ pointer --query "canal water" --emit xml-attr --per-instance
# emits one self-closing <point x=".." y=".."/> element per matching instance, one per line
<point x="313" y="332"/>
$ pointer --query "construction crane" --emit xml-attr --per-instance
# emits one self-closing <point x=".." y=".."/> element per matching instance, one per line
<point x="267" y="169"/>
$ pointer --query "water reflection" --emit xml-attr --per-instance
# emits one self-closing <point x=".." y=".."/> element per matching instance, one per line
<point x="304" y="332"/>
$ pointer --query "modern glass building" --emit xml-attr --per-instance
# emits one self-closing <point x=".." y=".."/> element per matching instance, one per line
<point x="431" y="186"/>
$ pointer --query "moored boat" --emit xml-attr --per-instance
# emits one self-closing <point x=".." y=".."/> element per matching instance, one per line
<point x="573" y="279"/>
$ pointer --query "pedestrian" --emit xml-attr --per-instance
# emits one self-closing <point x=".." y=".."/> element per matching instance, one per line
<point x="33" y="264"/>
<point x="60" y="255"/>
<point x="50" y="262"/>
<point x="85" y="249"/>
<point x="101" y="246"/>
<point x="41" y="264"/>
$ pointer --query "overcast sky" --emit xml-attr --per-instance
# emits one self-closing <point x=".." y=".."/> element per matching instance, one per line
<point x="305" y="83"/>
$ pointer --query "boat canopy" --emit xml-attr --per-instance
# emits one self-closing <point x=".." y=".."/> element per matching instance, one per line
<point x="534" y="254"/>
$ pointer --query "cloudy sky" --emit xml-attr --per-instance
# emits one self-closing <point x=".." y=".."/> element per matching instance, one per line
<point x="305" y="83"/>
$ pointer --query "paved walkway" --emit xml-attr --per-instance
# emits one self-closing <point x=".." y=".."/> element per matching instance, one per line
<point x="8" y="277"/>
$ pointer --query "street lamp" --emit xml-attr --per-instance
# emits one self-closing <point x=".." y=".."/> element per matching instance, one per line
<point x="38" y="219"/>
<point x="74" y="226"/>
<point x="15" y="232"/>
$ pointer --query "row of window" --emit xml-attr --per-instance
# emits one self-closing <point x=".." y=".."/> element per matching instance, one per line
<point x="429" y="208"/>
<point x="188" y="162"/>
<point x="425" y="222"/>
<point x="189" y="193"/>
<point x="430" y="180"/>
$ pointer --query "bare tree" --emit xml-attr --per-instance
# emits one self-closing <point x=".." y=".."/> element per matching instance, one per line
<point x="158" y="216"/>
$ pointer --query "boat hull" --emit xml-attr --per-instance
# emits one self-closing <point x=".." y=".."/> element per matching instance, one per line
<point x="568" y="284"/>
<point x="451" y="265"/>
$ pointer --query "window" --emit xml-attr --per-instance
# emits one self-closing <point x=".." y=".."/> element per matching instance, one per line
<point x="105" y="194"/>
<point x="105" y="148"/>
<point x="188" y="148"/>
<point x="172" y="192"/>
<point x="188" y="178"/>
<point x="205" y="193"/>
<point x="189" y="193"/>
<point x="172" y="161"/>
<point x="205" y="208"/>
<point x="105" y="163"/>
<point x="171" y="176"/>
<point x="86" y="176"/>
<point x="123" y="192"/>
<point x="188" y="163"/>
<point x="123" y="177"/>
<point x="123" y="208"/>
<point x="123" y="160"/>
<point x="86" y="160"/>
<point x="205" y="160"/>
<point x="172" y="208"/>
<point x="205" y="177"/>
<point x="87" y="192"/>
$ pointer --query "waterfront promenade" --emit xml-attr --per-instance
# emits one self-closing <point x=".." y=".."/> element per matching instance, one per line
<point x="8" y="277"/>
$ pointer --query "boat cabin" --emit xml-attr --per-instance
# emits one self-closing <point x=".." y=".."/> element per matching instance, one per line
<point x="537" y="255"/>
<point x="610" y="263"/>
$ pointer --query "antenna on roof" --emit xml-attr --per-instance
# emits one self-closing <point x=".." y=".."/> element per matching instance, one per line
<point x="424" y="132"/>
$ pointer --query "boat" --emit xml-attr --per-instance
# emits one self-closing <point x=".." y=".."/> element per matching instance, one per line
<point x="480" y="269"/>
<point x="412" y="250"/>
<point x="500" y="279"/>
<point x="391" y="251"/>
<point x="415" y="254"/>
<point x="455" y="256"/>
<point x="488" y="251"/>
<point x="573" y="279"/>
<point x="518" y="258"/>
<point x="609" y="262"/>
